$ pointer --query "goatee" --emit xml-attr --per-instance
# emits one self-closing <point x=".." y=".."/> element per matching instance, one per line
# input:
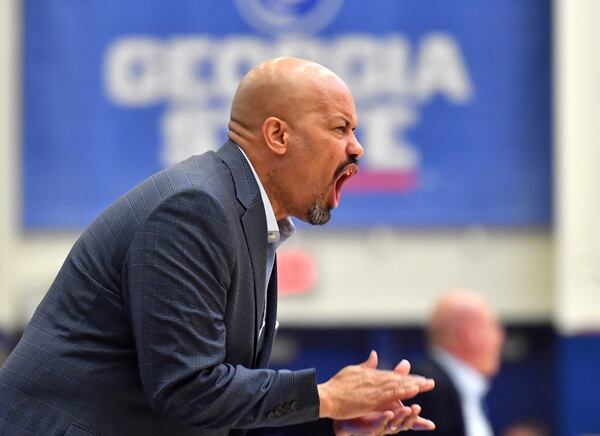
<point x="318" y="215"/>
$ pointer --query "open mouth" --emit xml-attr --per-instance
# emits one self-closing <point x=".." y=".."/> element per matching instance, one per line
<point x="343" y="176"/>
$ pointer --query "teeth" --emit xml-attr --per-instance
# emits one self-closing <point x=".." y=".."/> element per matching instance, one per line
<point x="348" y="172"/>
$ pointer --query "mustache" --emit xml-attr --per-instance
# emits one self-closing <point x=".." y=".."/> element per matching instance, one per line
<point x="340" y="168"/>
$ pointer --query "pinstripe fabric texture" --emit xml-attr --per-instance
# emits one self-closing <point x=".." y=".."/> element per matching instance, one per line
<point x="151" y="325"/>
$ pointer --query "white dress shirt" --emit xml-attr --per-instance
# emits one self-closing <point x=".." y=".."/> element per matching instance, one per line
<point x="277" y="233"/>
<point x="472" y="388"/>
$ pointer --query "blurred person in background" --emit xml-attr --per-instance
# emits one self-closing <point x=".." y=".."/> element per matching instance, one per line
<point x="526" y="428"/>
<point x="163" y="316"/>
<point x="465" y="340"/>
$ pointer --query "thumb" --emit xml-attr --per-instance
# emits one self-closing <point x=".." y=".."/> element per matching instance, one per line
<point x="371" y="362"/>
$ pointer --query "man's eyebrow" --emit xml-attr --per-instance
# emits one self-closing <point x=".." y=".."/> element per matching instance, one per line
<point x="346" y="119"/>
<point x="343" y="118"/>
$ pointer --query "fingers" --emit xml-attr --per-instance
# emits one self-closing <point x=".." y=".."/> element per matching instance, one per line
<point x="409" y="419"/>
<point x="378" y="425"/>
<point x="397" y="388"/>
<point x="396" y="424"/>
<point x="424" y="384"/>
<point x="371" y="424"/>
<point x="403" y="367"/>
<point x="407" y="386"/>
<point x="381" y="423"/>
<point x="372" y="361"/>
<point x="423" y="424"/>
<point x="360" y="389"/>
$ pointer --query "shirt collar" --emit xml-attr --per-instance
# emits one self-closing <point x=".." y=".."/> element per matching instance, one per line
<point x="277" y="231"/>
<point x="467" y="380"/>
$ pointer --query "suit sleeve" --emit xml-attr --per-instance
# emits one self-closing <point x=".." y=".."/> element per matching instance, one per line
<point x="178" y="271"/>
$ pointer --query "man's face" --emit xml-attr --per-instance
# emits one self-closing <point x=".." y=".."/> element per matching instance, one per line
<point x="325" y="151"/>
<point x="491" y="337"/>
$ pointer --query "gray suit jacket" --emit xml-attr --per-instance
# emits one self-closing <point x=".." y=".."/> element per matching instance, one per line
<point x="151" y="325"/>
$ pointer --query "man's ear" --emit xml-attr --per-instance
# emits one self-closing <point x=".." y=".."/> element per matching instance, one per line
<point x="276" y="134"/>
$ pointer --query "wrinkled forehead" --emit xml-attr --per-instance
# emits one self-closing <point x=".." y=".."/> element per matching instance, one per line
<point x="329" y="96"/>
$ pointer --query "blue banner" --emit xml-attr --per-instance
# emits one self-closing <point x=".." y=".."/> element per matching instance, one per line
<point x="453" y="98"/>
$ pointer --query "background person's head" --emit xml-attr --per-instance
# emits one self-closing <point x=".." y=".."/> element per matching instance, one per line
<point x="464" y="325"/>
<point x="295" y="120"/>
<point x="527" y="428"/>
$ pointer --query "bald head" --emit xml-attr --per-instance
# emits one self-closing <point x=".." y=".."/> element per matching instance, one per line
<point x="281" y="87"/>
<point x="464" y="324"/>
<point x="455" y="310"/>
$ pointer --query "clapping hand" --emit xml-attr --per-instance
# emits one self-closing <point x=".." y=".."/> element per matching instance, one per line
<point x="396" y="419"/>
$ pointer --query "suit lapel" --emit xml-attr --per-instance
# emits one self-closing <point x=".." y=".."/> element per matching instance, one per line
<point x="254" y="224"/>
<point x="271" y="320"/>
<point x="256" y="238"/>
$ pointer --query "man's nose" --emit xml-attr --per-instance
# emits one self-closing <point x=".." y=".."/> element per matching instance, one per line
<point x="354" y="148"/>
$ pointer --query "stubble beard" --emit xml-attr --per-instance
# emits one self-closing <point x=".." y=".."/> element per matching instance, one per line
<point x="318" y="214"/>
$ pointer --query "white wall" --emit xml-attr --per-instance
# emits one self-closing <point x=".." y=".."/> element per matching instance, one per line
<point x="27" y="263"/>
<point x="367" y="277"/>
<point x="8" y="130"/>
<point x="577" y="152"/>
<point x="385" y="276"/>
